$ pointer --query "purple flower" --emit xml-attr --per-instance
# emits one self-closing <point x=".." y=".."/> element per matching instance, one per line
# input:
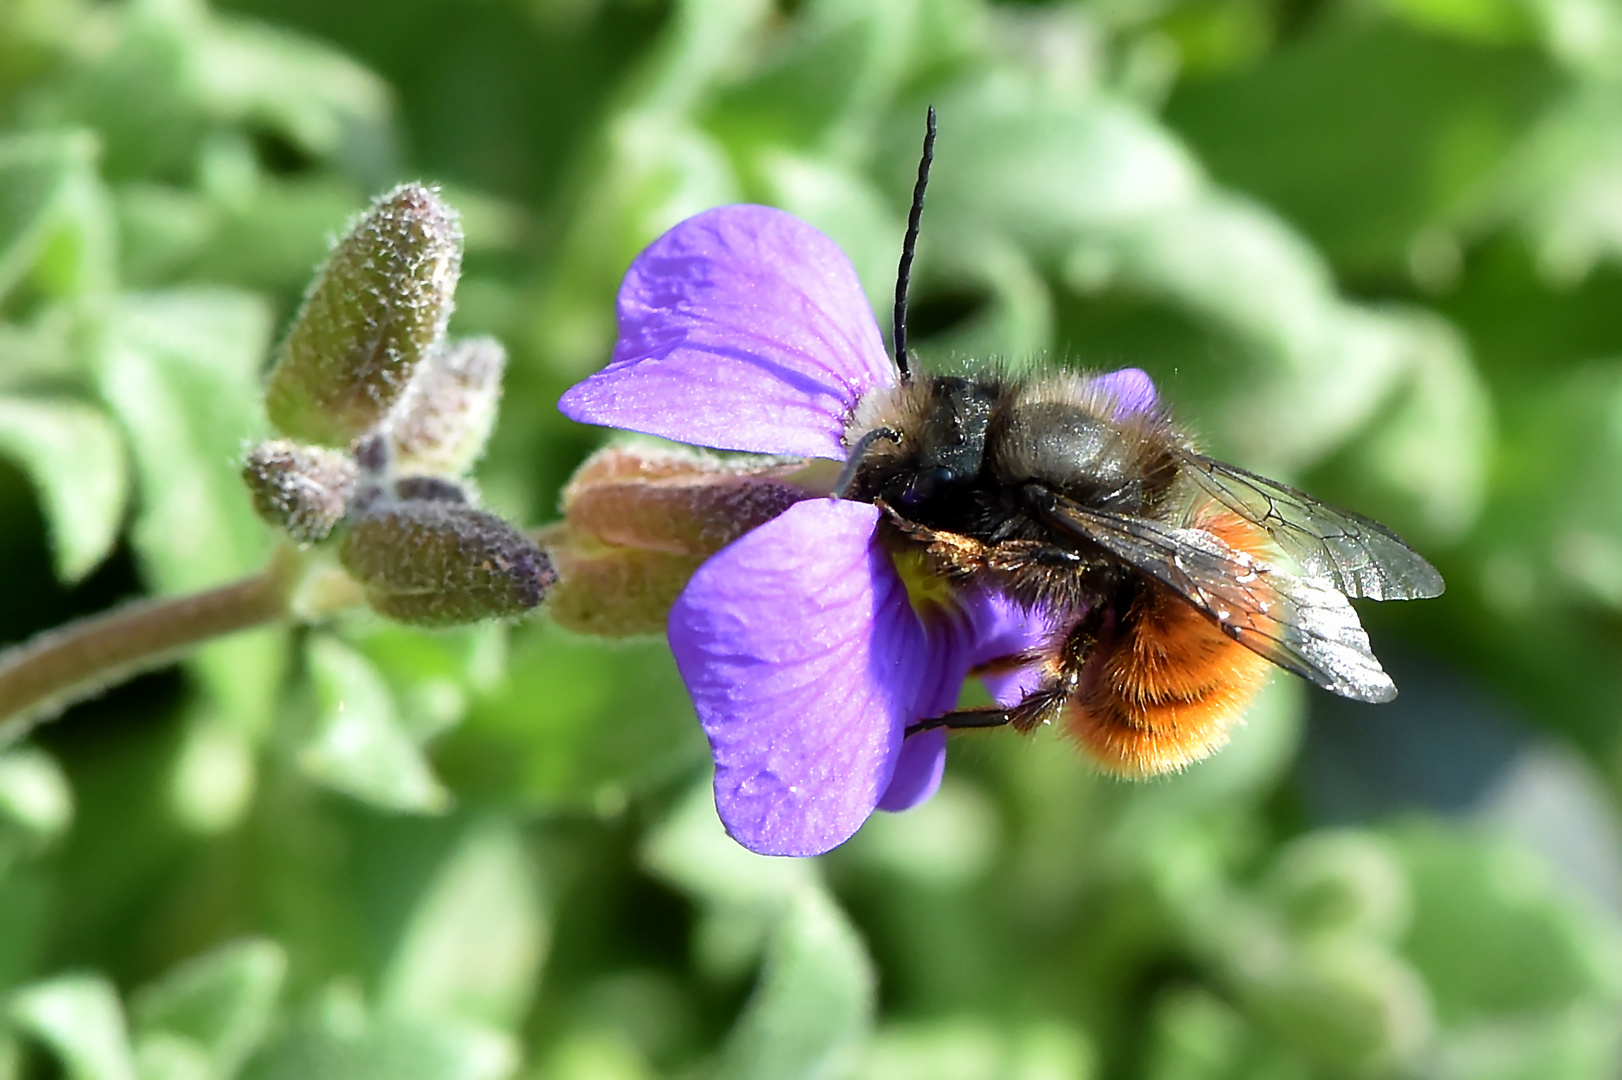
<point x="746" y="329"/>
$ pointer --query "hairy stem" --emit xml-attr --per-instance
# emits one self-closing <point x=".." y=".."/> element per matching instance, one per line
<point x="46" y="674"/>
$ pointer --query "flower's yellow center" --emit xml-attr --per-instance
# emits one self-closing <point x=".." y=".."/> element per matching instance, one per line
<point x="928" y="592"/>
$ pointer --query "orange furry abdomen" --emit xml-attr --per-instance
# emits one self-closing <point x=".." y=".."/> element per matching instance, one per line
<point x="1169" y="687"/>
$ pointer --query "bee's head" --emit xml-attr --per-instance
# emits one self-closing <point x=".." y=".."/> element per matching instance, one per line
<point x="947" y="442"/>
<point x="940" y="425"/>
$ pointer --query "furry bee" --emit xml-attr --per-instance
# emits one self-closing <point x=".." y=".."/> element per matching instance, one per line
<point x="1175" y="579"/>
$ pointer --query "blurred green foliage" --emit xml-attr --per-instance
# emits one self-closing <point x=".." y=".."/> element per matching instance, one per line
<point x="1374" y="245"/>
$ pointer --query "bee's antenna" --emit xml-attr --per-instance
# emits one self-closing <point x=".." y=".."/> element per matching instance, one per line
<point x="904" y="274"/>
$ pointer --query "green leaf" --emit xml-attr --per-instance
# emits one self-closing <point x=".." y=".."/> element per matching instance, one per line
<point x="1345" y="1002"/>
<point x="47" y="348"/>
<point x="656" y="171"/>
<point x="1313" y="368"/>
<point x="340" y="1042"/>
<point x="1366" y="132"/>
<point x="1195" y="1035"/>
<point x="324" y="102"/>
<point x="358" y="745"/>
<point x="1495" y="933"/>
<point x="1016" y="322"/>
<point x="1581" y="1042"/>
<point x="651" y="166"/>
<point x="75" y="457"/>
<point x="169" y="1057"/>
<point x="78" y="1017"/>
<point x="813" y="1005"/>
<point x="34" y="794"/>
<point x="1554" y="186"/>
<point x="167" y="76"/>
<point x="969" y="1048"/>
<point x="271" y="240"/>
<point x="477" y="939"/>
<point x="947" y="842"/>
<point x="221" y="1003"/>
<point x="181" y="371"/>
<point x="742" y="894"/>
<point x="214" y="775"/>
<point x="830" y="75"/>
<point x="1341" y="881"/>
<point x="594" y="1055"/>
<point x="1557" y="515"/>
<point x="1496" y="22"/>
<point x="1429" y="454"/>
<point x="434" y="676"/>
<point x="1045" y="169"/>
<point x="691" y="850"/>
<point x="1586" y="37"/>
<point x="701" y="44"/>
<point x="54" y="221"/>
<point x="576" y="725"/>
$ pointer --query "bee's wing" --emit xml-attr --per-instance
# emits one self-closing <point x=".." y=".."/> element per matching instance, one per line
<point x="1359" y="556"/>
<point x="1303" y="625"/>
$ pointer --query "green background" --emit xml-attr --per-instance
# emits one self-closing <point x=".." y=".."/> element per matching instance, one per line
<point x="1368" y="246"/>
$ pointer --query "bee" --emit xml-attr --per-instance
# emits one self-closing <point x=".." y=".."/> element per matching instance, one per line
<point x="1175" y="581"/>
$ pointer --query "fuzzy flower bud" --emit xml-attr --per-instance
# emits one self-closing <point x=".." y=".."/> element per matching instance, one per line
<point x="303" y="490"/>
<point x="377" y="307"/>
<point x="639" y="520"/>
<point x="442" y="422"/>
<point x="433" y="562"/>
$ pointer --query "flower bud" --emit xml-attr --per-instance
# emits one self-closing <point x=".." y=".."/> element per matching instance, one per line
<point x="675" y="501"/>
<point x="639" y="520"/>
<point x="617" y="592"/>
<point x="432" y="488"/>
<point x="438" y="563"/>
<point x="303" y="490"/>
<point x="442" y="422"/>
<point x="377" y="308"/>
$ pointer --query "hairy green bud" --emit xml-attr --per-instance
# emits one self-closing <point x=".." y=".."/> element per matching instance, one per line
<point x="375" y="311"/>
<point x="432" y="562"/>
<point x="442" y="422"/>
<point x="303" y="490"/>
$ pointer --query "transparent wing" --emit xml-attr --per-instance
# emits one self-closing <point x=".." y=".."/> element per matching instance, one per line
<point x="1303" y="625"/>
<point x="1360" y="557"/>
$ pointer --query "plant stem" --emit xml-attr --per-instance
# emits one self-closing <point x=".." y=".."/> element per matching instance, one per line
<point x="44" y="675"/>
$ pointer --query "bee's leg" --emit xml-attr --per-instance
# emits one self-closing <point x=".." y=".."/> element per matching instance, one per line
<point x="1016" y="556"/>
<point x="1070" y="668"/>
<point x="1038" y="708"/>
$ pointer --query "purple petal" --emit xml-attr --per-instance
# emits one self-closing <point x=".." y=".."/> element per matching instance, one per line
<point x="995" y="627"/>
<point x="985" y="626"/>
<point x="1133" y="389"/>
<point x="1009" y="686"/>
<point x="918" y="771"/>
<point x="742" y="328"/>
<point x="804" y="660"/>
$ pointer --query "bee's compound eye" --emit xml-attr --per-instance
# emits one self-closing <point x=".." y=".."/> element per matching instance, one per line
<point x="926" y="485"/>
